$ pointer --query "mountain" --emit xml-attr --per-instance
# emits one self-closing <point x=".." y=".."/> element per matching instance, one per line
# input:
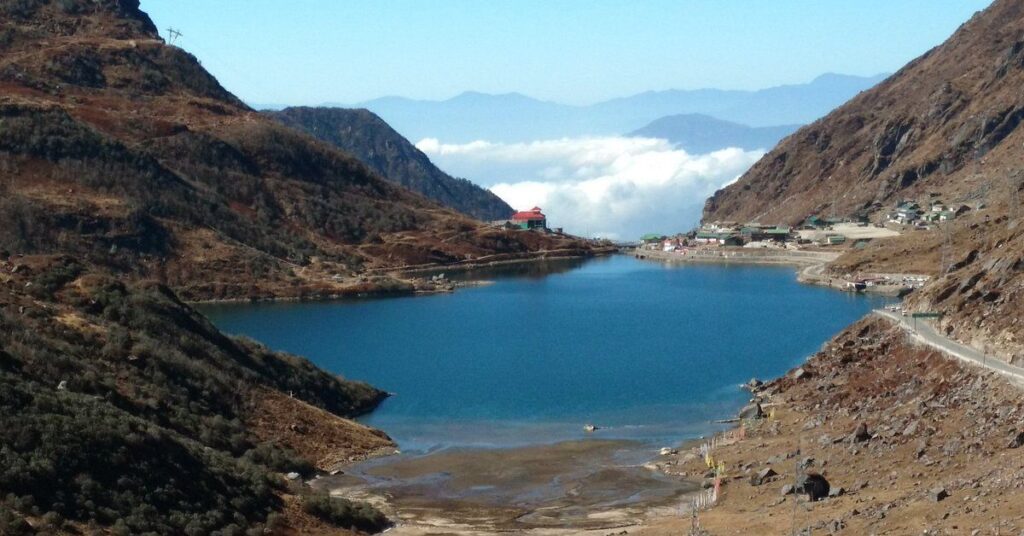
<point x="947" y="127"/>
<point x="124" y="152"/>
<point x="131" y="181"/>
<point x="516" y="118"/>
<point x="367" y="137"/>
<point x="699" y="134"/>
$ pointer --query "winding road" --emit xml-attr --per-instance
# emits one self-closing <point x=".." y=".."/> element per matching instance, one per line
<point x="925" y="333"/>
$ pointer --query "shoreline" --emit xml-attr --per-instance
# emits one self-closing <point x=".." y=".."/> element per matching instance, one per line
<point x="811" y="266"/>
<point x="409" y="289"/>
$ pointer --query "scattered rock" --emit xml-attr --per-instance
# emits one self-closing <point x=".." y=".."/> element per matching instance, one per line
<point x="762" y="476"/>
<point x="814" y="485"/>
<point x="938" y="494"/>
<point x="861" y="434"/>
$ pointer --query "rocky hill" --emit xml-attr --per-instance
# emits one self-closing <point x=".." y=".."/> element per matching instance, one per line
<point x="125" y="152"/>
<point x="945" y="123"/>
<point x="367" y="137"/>
<point x="945" y="126"/>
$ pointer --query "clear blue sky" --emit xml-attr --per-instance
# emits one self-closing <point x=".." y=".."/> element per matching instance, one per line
<point x="570" y="51"/>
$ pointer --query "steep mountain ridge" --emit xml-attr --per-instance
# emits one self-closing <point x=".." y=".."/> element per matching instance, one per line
<point x="366" y="136"/>
<point x="921" y="130"/>
<point x="946" y="126"/>
<point x="130" y="179"/>
<point x="125" y="151"/>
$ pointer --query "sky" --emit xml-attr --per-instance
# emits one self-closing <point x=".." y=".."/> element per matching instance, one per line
<point x="569" y="51"/>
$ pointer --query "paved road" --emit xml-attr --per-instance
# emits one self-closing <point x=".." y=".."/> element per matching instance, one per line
<point x="927" y="334"/>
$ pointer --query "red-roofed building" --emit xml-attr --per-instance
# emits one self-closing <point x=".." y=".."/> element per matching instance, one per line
<point x="530" y="219"/>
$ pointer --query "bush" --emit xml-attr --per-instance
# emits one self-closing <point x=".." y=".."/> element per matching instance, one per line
<point x="345" y="513"/>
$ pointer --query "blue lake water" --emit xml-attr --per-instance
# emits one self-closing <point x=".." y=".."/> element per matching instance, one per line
<point x="644" y="350"/>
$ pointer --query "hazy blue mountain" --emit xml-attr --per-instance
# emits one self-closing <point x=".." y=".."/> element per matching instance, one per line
<point x="515" y="117"/>
<point x="699" y="133"/>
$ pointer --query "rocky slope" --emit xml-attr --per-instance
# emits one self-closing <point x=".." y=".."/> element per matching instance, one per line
<point x="946" y="126"/>
<point x="917" y="132"/>
<point x="910" y="442"/>
<point x="367" y="137"/>
<point x="123" y="151"/>
<point x="124" y="408"/>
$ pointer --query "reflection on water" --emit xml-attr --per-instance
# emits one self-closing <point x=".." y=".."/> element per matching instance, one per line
<point x="528" y="270"/>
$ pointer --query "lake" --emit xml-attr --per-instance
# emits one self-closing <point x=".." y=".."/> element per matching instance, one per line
<point x="646" y="351"/>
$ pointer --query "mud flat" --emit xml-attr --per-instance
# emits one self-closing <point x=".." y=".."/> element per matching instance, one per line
<point x="544" y="489"/>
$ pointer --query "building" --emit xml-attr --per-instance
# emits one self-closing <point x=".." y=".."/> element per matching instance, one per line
<point x="530" y="219"/>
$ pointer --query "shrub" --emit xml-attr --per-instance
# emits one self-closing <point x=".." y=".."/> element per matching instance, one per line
<point x="345" y="513"/>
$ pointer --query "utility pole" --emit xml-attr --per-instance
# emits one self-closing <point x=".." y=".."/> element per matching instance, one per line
<point x="173" y="35"/>
<point x="1014" y="180"/>
<point x="947" y="248"/>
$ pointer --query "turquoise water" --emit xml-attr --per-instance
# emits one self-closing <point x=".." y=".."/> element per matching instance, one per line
<point x="643" y="350"/>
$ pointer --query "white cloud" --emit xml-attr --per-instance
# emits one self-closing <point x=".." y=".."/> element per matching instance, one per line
<point x="607" y="186"/>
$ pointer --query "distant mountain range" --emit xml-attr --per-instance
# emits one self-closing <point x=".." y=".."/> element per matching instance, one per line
<point x="513" y="117"/>
<point x="367" y="137"/>
<point x="700" y="134"/>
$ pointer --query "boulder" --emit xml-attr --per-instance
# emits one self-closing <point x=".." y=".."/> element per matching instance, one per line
<point x="752" y="411"/>
<point x="938" y="494"/>
<point x="861" y="434"/>
<point x="786" y="490"/>
<point x="836" y="492"/>
<point x="814" y="485"/>
<point x="754" y="384"/>
<point x="801" y="374"/>
<point x="762" y="476"/>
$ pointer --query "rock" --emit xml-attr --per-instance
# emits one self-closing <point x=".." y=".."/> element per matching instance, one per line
<point x="801" y="374"/>
<point x="814" y="485"/>
<point x="707" y="483"/>
<point x="1017" y="442"/>
<point x="911" y="428"/>
<point x="836" y="492"/>
<point x="754" y="384"/>
<point x="665" y="451"/>
<point x="762" y="476"/>
<point x="751" y="411"/>
<point x="786" y="490"/>
<point x="292" y="476"/>
<point x="861" y="434"/>
<point x="63" y="385"/>
<point x="938" y="494"/>
<point x="589" y="428"/>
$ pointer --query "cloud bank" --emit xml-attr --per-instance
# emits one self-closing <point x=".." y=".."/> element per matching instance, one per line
<point x="614" y="187"/>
